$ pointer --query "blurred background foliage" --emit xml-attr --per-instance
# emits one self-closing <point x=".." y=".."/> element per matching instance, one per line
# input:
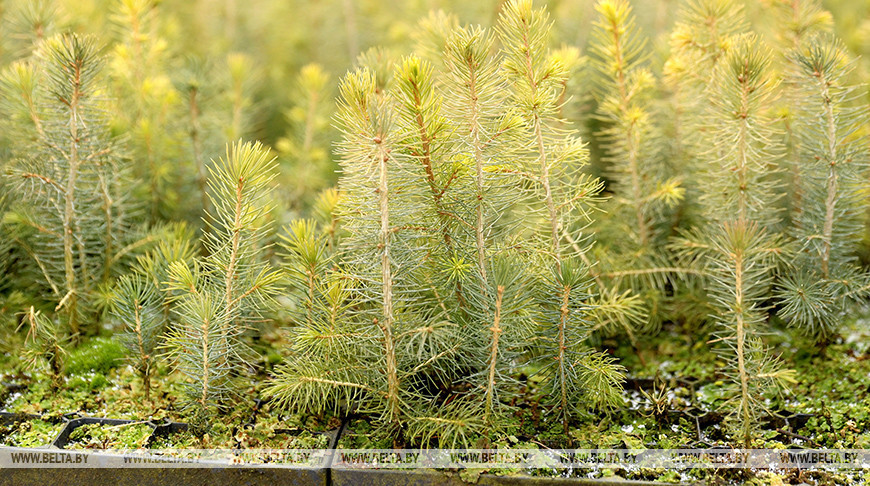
<point x="288" y="56"/>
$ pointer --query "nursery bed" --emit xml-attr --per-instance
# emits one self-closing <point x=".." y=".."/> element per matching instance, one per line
<point x="673" y="402"/>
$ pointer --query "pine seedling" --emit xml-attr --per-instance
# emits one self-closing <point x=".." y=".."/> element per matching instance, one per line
<point x="44" y="345"/>
<point x="504" y="307"/>
<point x="222" y="295"/>
<point x="327" y="368"/>
<point x="138" y="305"/>
<point x="441" y="187"/>
<point x="307" y="260"/>
<point x="474" y="99"/>
<point x="370" y="182"/>
<point x="566" y="197"/>
<point x="698" y="42"/>
<point x="644" y="193"/>
<point x="577" y="376"/>
<point x="176" y="245"/>
<point x="305" y="147"/>
<point x="796" y="23"/>
<point x="739" y="258"/>
<point x="484" y="191"/>
<point x="194" y="87"/>
<point x="737" y="250"/>
<point x="701" y="37"/>
<point x="425" y="139"/>
<point x="325" y="212"/>
<point x="347" y="347"/>
<point x="207" y="109"/>
<point x="147" y="103"/>
<point x="833" y="164"/>
<point x="25" y="24"/>
<point x="217" y="104"/>
<point x="743" y="139"/>
<point x="71" y="181"/>
<point x="624" y="105"/>
<point x="243" y="77"/>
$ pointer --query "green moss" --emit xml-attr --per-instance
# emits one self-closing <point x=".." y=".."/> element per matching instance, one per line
<point x="99" y="355"/>
<point x="31" y="433"/>
<point x="96" y="436"/>
<point x="180" y="440"/>
<point x="261" y="436"/>
<point x="361" y="434"/>
<point x="95" y="381"/>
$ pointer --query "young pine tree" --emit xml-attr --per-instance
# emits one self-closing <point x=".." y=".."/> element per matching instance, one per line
<point x="564" y="196"/>
<point x="833" y="164"/>
<point x="699" y="40"/>
<point x="484" y="191"/>
<point x="643" y="193"/>
<point x="796" y="22"/>
<point x="737" y="248"/>
<point x="69" y="179"/>
<point x="223" y="294"/>
<point x="138" y="305"/>
<point x="25" y="24"/>
<point x="147" y="104"/>
<point x="305" y="148"/>
<point x="44" y="345"/>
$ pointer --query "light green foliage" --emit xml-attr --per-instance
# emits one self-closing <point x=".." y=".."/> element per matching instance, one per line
<point x="577" y="375"/>
<point x="796" y="24"/>
<point x="742" y="137"/>
<point x="450" y="182"/>
<point x="139" y="307"/>
<point x="632" y="266"/>
<point x="699" y="39"/>
<point x="25" y="23"/>
<point x="737" y="250"/>
<point x="70" y="176"/>
<point x="220" y="296"/>
<point x="799" y="21"/>
<point x="832" y="188"/>
<point x="44" y="345"/>
<point x="305" y="150"/>
<point x="215" y="106"/>
<point x="372" y="176"/>
<point x="566" y="198"/>
<point x="148" y="106"/>
<point x="626" y="90"/>
<point x="738" y="258"/>
<point x="469" y="280"/>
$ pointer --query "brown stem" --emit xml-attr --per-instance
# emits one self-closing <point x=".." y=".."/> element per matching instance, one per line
<point x="496" y="331"/>
<point x="560" y="357"/>
<point x="69" y="219"/>
<point x="741" y="338"/>
<point x="832" y="180"/>
<point x="393" y="407"/>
